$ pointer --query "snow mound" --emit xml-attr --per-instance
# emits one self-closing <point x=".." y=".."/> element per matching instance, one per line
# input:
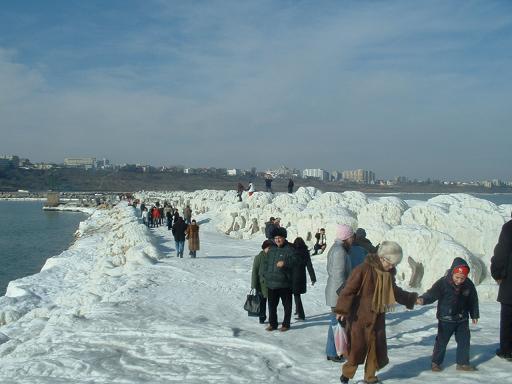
<point x="444" y="227"/>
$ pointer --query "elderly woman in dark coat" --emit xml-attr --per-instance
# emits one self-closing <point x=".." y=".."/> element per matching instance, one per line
<point x="299" y="275"/>
<point x="369" y="293"/>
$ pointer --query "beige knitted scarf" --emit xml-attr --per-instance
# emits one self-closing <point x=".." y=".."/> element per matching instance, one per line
<point x="383" y="296"/>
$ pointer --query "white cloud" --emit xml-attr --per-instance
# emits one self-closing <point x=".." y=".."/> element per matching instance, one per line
<point x="241" y="84"/>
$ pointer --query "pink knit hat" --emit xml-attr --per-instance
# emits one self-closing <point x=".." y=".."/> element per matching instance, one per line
<point x="344" y="232"/>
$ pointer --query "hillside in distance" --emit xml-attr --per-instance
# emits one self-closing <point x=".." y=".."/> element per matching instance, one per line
<point x="70" y="179"/>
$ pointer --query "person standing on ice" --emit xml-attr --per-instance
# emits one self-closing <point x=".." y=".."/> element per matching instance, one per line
<point x="178" y="231"/>
<point x="362" y="241"/>
<point x="269" y="228"/>
<point x="369" y="293"/>
<point x="501" y="271"/>
<point x="338" y="271"/>
<point x="192" y="234"/>
<point x="250" y="189"/>
<point x="457" y="301"/>
<point x="290" y="185"/>
<point x="276" y="270"/>
<point x="187" y="214"/>
<point x="258" y="281"/>
<point x="239" y="191"/>
<point x="268" y="183"/>
<point x="299" y="275"/>
<point x="168" y="217"/>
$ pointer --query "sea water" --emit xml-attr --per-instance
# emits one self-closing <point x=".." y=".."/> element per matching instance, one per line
<point x="29" y="236"/>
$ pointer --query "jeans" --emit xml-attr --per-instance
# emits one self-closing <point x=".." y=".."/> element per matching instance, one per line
<point x="180" y="245"/>
<point x="285" y="294"/>
<point x="330" y="347"/>
<point x="506" y="328"/>
<point x="445" y="330"/>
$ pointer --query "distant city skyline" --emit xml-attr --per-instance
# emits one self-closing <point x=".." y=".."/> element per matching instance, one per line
<point x="366" y="176"/>
<point x="416" y="89"/>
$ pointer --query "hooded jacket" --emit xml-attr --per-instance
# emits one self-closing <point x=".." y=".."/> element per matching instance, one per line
<point x="454" y="303"/>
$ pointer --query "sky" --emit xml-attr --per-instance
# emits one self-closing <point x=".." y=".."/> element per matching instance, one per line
<point x="403" y="88"/>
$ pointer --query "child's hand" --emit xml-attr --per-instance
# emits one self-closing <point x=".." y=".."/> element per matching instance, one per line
<point x="419" y="301"/>
<point x="280" y="264"/>
<point x="474" y="321"/>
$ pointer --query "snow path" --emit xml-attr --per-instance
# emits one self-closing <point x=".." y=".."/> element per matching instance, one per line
<point x="181" y="320"/>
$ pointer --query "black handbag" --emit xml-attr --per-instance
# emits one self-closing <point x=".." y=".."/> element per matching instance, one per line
<point x="253" y="303"/>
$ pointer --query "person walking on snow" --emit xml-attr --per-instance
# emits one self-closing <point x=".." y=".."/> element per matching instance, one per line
<point x="369" y="293"/>
<point x="258" y="281"/>
<point x="457" y="300"/>
<point x="276" y="270"/>
<point x="187" y="214"/>
<point x="338" y="271"/>
<point x="192" y="234"/>
<point x="178" y="230"/>
<point x="299" y="275"/>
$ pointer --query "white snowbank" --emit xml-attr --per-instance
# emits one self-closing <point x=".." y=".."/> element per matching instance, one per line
<point x="105" y="311"/>
<point x="432" y="232"/>
<point x="110" y="243"/>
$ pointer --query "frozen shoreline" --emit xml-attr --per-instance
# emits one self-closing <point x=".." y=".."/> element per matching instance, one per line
<point x="115" y="307"/>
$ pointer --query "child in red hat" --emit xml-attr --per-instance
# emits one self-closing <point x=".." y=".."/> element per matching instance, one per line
<point x="457" y="301"/>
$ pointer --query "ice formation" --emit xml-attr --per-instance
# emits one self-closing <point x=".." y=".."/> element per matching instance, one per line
<point x="111" y="243"/>
<point x="431" y="233"/>
<point x="112" y="308"/>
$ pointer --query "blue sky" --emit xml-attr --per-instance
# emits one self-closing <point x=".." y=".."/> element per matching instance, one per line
<point x="414" y="88"/>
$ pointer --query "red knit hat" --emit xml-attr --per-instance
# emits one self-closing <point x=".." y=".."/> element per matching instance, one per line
<point x="463" y="269"/>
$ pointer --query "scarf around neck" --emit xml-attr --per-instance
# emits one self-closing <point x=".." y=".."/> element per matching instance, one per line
<point x="383" y="296"/>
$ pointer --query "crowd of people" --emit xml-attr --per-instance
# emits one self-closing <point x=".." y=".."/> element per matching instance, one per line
<point x="360" y="289"/>
<point x="182" y="227"/>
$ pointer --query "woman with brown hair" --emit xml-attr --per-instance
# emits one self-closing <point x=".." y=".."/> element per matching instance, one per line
<point x="369" y="293"/>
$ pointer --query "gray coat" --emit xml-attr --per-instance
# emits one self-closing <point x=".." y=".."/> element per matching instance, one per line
<point x="338" y="269"/>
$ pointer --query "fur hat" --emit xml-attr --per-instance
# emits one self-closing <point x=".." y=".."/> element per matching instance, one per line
<point x="279" y="231"/>
<point x="344" y="232"/>
<point x="390" y="251"/>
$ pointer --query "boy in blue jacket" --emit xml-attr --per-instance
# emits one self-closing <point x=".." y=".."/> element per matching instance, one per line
<point x="457" y="301"/>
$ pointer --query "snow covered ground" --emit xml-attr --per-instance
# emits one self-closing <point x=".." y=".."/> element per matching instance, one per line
<point x="119" y="307"/>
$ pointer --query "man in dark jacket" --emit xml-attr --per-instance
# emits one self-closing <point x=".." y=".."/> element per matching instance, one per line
<point x="269" y="228"/>
<point x="290" y="186"/>
<point x="178" y="230"/>
<point x="276" y="269"/>
<point x="501" y="271"/>
<point x="457" y="301"/>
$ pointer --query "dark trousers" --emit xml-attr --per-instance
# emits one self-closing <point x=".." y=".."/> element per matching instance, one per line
<point x="299" y="309"/>
<point x="263" y="309"/>
<point x="285" y="294"/>
<point x="506" y="328"/>
<point x="445" y="330"/>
